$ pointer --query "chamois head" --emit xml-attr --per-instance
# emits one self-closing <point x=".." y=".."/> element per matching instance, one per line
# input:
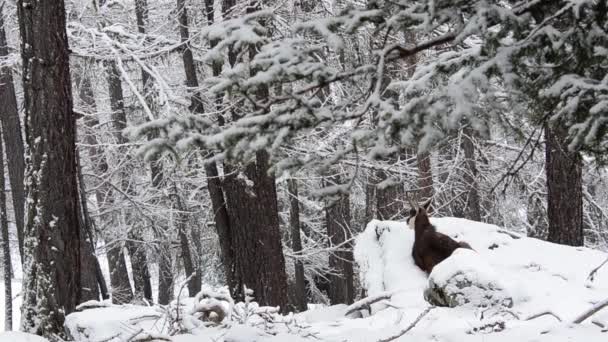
<point x="418" y="213"/>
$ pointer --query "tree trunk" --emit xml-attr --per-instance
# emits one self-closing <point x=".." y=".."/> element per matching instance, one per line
<point x="141" y="13"/>
<point x="337" y="217"/>
<point x="256" y="239"/>
<point x="472" y="210"/>
<point x="565" y="195"/>
<point x="389" y="199"/>
<point x="89" y="289"/>
<point x="6" y="249"/>
<point x="119" y="121"/>
<point x="9" y="117"/>
<point x="370" y="201"/>
<point x="296" y="244"/>
<point x="214" y="183"/>
<point x="142" y="287"/>
<point x="425" y="176"/>
<point x="165" y="274"/>
<point x="119" y="279"/>
<point x="52" y="231"/>
<point x="139" y="261"/>
<point x="192" y="269"/>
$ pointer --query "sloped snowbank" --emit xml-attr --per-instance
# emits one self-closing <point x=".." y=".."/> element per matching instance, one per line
<point x="539" y="276"/>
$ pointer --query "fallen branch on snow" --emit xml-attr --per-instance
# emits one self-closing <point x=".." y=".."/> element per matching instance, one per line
<point x="594" y="309"/>
<point x="409" y="327"/>
<point x="366" y="303"/>
<point x="591" y="275"/>
<point x="541" y="314"/>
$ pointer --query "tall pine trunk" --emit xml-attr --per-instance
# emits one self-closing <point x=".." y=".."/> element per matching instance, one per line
<point x="52" y="230"/>
<point x="296" y="244"/>
<point x="338" y="221"/>
<point x="119" y="280"/>
<point x="13" y="142"/>
<point x="6" y="248"/>
<point x="425" y="176"/>
<point x="256" y="239"/>
<point x="564" y="170"/>
<point x="472" y="209"/>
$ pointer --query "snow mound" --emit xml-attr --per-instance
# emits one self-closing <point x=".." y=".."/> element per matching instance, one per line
<point x="16" y="336"/>
<point x="465" y="279"/>
<point x="114" y="323"/>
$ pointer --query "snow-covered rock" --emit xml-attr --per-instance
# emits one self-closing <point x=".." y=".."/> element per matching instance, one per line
<point x="465" y="279"/>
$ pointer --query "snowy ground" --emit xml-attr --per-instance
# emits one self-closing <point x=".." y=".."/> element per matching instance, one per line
<point x="539" y="276"/>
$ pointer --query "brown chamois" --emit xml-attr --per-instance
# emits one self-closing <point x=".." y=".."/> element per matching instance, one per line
<point x="430" y="247"/>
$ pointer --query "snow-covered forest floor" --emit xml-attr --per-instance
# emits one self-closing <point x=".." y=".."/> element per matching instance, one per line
<point x="539" y="277"/>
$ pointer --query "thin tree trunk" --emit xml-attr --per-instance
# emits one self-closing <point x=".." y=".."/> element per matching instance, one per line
<point x="194" y="285"/>
<point x="472" y="210"/>
<point x="338" y="221"/>
<point x="564" y="185"/>
<point x="119" y="280"/>
<point x="165" y="274"/>
<point x="119" y="121"/>
<point x="142" y="285"/>
<point x="89" y="289"/>
<point x="296" y="244"/>
<point x="6" y="249"/>
<point x="52" y="231"/>
<point x="214" y="184"/>
<point x="370" y="201"/>
<point x="9" y="117"/>
<point x="425" y="176"/>
<point x="141" y="13"/>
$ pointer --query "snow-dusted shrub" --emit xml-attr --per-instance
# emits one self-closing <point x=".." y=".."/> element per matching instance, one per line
<point x="465" y="279"/>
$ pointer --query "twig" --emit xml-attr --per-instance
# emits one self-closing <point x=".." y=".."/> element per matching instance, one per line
<point x="365" y="303"/>
<point x="544" y="313"/>
<point x="179" y="294"/>
<point x="591" y="311"/>
<point x="591" y="275"/>
<point x="409" y="327"/>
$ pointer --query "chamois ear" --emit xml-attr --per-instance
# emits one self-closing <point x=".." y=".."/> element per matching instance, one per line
<point x="427" y="206"/>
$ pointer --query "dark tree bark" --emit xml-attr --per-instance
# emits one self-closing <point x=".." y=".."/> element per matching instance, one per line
<point x="52" y="230"/>
<point x="119" y="280"/>
<point x="370" y="200"/>
<point x="214" y="183"/>
<point x="425" y="176"/>
<point x="142" y="286"/>
<point x="338" y="221"/>
<point x="472" y="210"/>
<point x="165" y="274"/>
<point x="254" y="221"/>
<point x="256" y="239"/>
<point x="9" y="117"/>
<point x="389" y="199"/>
<point x="564" y="185"/>
<point x="296" y="244"/>
<point x="156" y="168"/>
<point x="6" y="249"/>
<point x="89" y="289"/>
<point x="192" y="269"/>
<point x="92" y="283"/>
